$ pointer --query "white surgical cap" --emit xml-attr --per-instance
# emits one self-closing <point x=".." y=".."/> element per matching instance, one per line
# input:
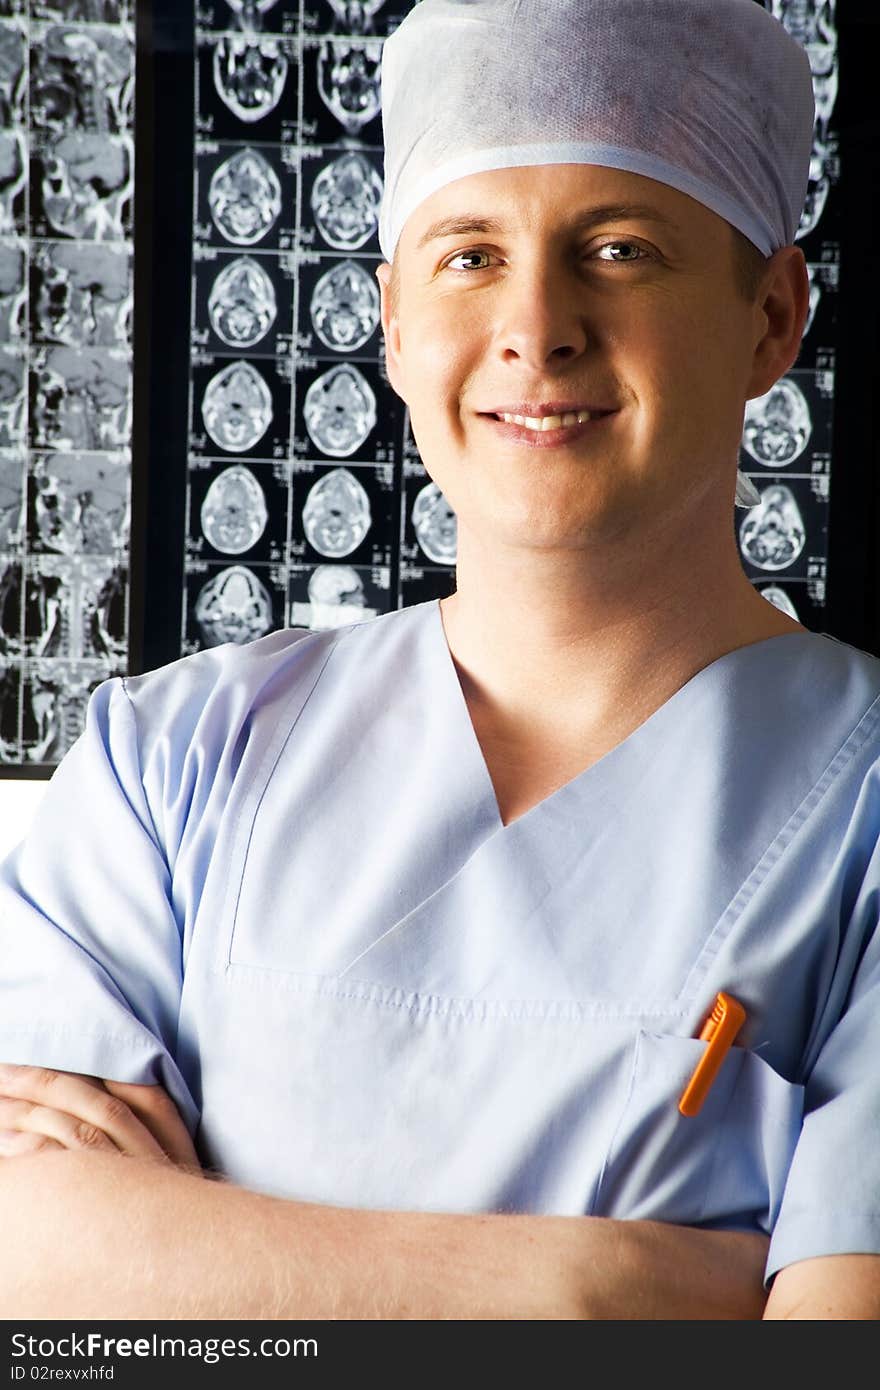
<point x="712" y="97"/>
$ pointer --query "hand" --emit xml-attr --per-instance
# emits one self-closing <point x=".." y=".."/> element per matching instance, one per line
<point x="44" y="1109"/>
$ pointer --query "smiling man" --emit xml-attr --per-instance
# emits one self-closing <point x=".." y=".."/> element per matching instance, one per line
<point x="575" y="348"/>
<point x="419" y="922"/>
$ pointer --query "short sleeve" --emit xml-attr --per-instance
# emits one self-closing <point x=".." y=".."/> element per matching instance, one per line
<point x="831" y="1201"/>
<point x="90" y="946"/>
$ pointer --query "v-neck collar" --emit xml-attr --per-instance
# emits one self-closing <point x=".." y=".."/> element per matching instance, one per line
<point x="628" y="747"/>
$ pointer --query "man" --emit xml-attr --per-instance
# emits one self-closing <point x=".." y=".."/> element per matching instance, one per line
<point x="417" y="921"/>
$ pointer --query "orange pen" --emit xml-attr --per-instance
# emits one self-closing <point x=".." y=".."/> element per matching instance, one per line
<point x="719" y="1031"/>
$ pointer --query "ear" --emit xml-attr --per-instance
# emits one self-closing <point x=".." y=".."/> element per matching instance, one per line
<point x="782" y="306"/>
<point x="390" y="329"/>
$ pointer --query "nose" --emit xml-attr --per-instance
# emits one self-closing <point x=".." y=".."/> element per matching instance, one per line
<point x="540" y="316"/>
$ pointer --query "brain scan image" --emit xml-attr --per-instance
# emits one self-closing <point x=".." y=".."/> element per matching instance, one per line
<point x="13" y="399"/>
<point x="87" y="186"/>
<point x="11" y="644"/>
<point x="818" y="188"/>
<point x="13" y="177"/>
<point x="249" y="13"/>
<point x="340" y="410"/>
<point x="55" y="696"/>
<point x="80" y="503"/>
<point x="338" y="587"/>
<point x="242" y="306"/>
<point x="94" y="11"/>
<point x="345" y="307"/>
<point x="435" y="525"/>
<point x="82" y="399"/>
<point x="345" y="201"/>
<point x="82" y="81"/>
<point x="779" y="598"/>
<point x="73" y="608"/>
<point x="348" y="81"/>
<point x="13" y="292"/>
<point x="811" y="22"/>
<point x="818" y="180"/>
<point x="13" y="76"/>
<point x="9" y="697"/>
<point x="815" y="297"/>
<point x="237" y="407"/>
<point x="826" y="84"/>
<point x="249" y="75"/>
<point x="234" y="513"/>
<point x="772" y="535"/>
<point x="336" y="515"/>
<point x="825" y="89"/>
<point x="336" y="597"/>
<point x="233" y="607"/>
<point x="12" y="469"/>
<point x="355" y="16"/>
<point x="245" y="197"/>
<point x="83" y="295"/>
<point x="777" y="426"/>
<point x="43" y="706"/>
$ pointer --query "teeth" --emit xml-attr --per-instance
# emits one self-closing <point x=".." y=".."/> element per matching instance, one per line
<point x="548" y="422"/>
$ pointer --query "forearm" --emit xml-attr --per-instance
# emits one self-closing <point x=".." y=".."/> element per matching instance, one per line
<point x="91" y="1235"/>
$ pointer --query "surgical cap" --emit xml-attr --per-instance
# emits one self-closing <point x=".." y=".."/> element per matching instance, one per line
<point x="712" y="97"/>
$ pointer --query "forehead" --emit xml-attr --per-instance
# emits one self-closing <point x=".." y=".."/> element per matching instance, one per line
<point x="543" y="199"/>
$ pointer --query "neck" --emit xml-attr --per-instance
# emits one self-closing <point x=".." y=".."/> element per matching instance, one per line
<point x="541" y="639"/>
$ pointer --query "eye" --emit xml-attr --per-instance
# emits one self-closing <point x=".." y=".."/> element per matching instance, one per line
<point x="633" y="252"/>
<point x="463" y="255"/>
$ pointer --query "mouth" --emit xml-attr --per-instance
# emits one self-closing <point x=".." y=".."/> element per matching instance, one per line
<point x="547" y="430"/>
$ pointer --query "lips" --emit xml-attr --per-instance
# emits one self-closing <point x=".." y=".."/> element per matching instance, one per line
<point x="559" y="429"/>
<point x="548" y="417"/>
<point x="536" y="411"/>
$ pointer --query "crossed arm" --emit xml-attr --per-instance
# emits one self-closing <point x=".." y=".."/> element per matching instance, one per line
<point x="151" y="1237"/>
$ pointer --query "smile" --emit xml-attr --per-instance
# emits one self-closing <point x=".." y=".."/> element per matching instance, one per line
<point x="548" y="431"/>
<point x="548" y="422"/>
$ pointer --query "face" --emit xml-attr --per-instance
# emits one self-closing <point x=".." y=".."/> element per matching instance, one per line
<point x="575" y="289"/>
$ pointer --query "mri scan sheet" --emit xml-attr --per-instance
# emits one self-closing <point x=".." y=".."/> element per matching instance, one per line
<point x="307" y="500"/>
<point x="66" y="339"/>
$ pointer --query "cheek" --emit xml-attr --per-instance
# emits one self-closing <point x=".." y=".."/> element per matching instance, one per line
<point x="688" y="372"/>
<point x="436" y="352"/>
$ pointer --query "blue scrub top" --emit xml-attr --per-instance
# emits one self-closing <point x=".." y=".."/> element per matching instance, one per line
<point x="275" y="879"/>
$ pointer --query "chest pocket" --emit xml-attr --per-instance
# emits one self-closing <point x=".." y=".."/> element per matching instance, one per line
<point x="385" y="1099"/>
<point x="725" y="1166"/>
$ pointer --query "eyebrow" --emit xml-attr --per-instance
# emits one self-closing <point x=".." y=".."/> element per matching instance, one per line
<point x="469" y="224"/>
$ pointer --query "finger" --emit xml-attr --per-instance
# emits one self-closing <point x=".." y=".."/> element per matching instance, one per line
<point x="158" y="1113"/>
<point x="139" y="1119"/>
<point x="81" y="1110"/>
<point x="68" y="1131"/>
<point x="14" y="1143"/>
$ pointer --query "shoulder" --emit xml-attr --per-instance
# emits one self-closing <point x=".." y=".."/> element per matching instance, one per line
<point x="232" y="675"/>
<point x="835" y="664"/>
<point x="810" y="691"/>
<point x="204" y="697"/>
<point x="224" y="664"/>
<point x="185" y="742"/>
<point x="210" y="707"/>
<point x="839" y="690"/>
